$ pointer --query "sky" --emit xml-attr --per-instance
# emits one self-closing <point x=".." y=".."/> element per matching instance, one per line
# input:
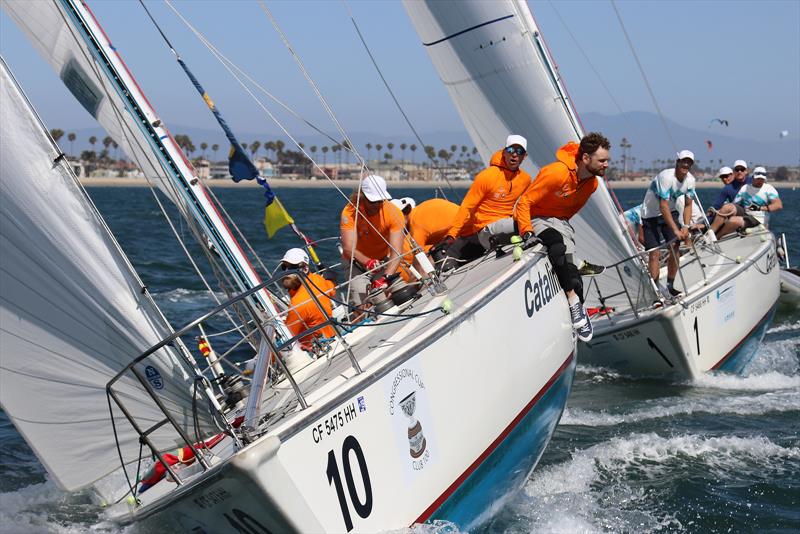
<point x="737" y="60"/>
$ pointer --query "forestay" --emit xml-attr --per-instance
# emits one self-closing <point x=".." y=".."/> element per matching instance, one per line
<point x="46" y="25"/>
<point x="72" y="314"/>
<point x="492" y="60"/>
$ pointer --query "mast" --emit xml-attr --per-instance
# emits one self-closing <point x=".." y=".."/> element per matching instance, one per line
<point x="179" y="171"/>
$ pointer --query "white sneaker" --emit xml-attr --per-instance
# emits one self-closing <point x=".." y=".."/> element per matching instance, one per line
<point x="578" y="315"/>
<point x="586" y="331"/>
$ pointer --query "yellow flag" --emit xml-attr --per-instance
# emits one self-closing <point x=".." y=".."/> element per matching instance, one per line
<point x="275" y="217"/>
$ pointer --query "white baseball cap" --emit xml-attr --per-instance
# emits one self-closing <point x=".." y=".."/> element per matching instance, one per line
<point x="683" y="154"/>
<point x="404" y="203"/>
<point x="725" y="170"/>
<point x="295" y="256"/>
<point x="517" y="140"/>
<point x="760" y="172"/>
<point x="740" y="163"/>
<point x="374" y="188"/>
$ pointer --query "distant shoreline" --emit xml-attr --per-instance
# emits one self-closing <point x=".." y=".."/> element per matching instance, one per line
<point x="351" y="184"/>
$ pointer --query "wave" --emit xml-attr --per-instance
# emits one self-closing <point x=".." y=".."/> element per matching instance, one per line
<point x="772" y="402"/>
<point x="612" y="485"/>
<point x="788" y="327"/>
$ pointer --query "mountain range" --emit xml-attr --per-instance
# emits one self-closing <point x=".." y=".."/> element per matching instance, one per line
<point x="643" y="130"/>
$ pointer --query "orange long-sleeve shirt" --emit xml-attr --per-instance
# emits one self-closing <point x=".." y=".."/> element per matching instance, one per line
<point x="305" y="313"/>
<point x="490" y="198"/>
<point x="429" y="222"/>
<point x="556" y="190"/>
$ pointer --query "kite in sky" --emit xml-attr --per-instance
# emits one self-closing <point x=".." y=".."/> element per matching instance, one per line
<point x="722" y="122"/>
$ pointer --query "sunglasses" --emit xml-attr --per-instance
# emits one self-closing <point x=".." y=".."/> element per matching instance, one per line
<point x="740" y="169"/>
<point x="725" y="175"/>
<point x="286" y="266"/>
<point x="518" y="150"/>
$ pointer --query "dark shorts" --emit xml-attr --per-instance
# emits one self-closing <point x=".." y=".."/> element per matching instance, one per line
<point x="749" y="220"/>
<point x="657" y="231"/>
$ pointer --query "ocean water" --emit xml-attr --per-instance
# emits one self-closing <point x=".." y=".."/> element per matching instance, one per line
<point x="718" y="455"/>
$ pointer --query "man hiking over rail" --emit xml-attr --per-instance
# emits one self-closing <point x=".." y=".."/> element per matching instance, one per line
<point x="558" y="192"/>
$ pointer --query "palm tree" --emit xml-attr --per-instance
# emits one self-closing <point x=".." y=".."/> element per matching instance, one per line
<point x="269" y="146"/>
<point x="390" y="147"/>
<point x="56" y="134"/>
<point x="279" y="150"/>
<point x="453" y="149"/>
<point x="430" y="152"/>
<point x="254" y="147"/>
<point x="313" y="150"/>
<point x="444" y="154"/>
<point x="325" y="154"/>
<point x="348" y="148"/>
<point x="214" y="149"/>
<point x="116" y="151"/>
<point x="203" y="147"/>
<point x="92" y="141"/>
<point x="403" y="147"/>
<point x="413" y="149"/>
<point x="369" y="150"/>
<point x="71" y="138"/>
<point x="378" y="148"/>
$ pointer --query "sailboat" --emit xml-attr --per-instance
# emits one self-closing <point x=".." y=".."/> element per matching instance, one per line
<point x="493" y="60"/>
<point x="430" y="411"/>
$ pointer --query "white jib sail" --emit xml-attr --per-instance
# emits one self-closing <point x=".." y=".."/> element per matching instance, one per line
<point x="490" y="56"/>
<point x="60" y="31"/>
<point x="72" y="314"/>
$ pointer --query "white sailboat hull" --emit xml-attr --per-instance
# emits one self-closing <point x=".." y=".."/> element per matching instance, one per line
<point x="716" y="327"/>
<point x="489" y="389"/>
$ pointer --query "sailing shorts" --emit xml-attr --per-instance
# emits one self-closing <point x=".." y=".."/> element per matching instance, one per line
<point x="749" y="220"/>
<point x="657" y="231"/>
<point x="540" y="224"/>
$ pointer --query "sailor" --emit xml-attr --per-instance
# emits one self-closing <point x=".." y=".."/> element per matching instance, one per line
<point x="698" y="221"/>
<point x="753" y="198"/>
<point x="633" y="217"/>
<point x="405" y="205"/>
<point x="725" y="174"/>
<point x="728" y="193"/>
<point x="660" y="216"/>
<point x="559" y="191"/>
<point x="429" y="222"/>
<point x="489" y="201"/>
<point x="371" y="236"/>
<point x="305" y="313"/>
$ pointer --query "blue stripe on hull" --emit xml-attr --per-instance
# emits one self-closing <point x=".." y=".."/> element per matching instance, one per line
<point x="508" y="467"/>
<point x="744" y="353"/>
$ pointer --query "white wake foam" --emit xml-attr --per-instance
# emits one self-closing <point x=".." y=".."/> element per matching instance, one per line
<point x="591" y="491"/>
<point x="772" y="402"/>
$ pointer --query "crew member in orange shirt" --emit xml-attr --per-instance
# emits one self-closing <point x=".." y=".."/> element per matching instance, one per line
<point x="429" y="222"/>
<point x="558" y="192"/>
<point x="305" y="313"/>
<point x="490" y="199"/>
<point x="375" y="235"/>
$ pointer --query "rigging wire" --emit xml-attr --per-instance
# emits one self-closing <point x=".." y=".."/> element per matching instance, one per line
<point x="644" y="76"/>
<point x="397" y="102"/>
<point x="591" y="65"/>
<point x="159" y="173"/>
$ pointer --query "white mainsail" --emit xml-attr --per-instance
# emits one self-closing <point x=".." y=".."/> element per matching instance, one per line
<point x="72" y="314"/>
<point x="491" y="57"/>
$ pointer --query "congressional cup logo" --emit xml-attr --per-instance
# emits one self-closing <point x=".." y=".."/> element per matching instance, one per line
<point x="416" y="438"/>
<point x="408" y="407"/>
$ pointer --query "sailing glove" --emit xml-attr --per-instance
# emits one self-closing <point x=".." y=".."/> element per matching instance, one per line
<point x="372" y="264"/>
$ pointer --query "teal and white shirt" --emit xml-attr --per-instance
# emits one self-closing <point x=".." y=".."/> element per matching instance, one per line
<point x="697" y="211"/>
<point x="634" y="216"/>
<point x="665" y="186"/>
<point x="760" y="196"/>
